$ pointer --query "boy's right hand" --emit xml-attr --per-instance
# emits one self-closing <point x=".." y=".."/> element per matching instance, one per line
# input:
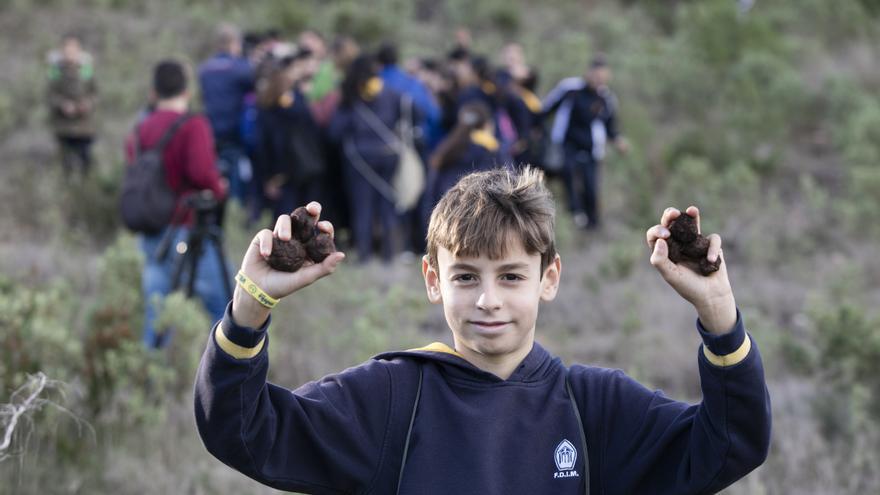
<point x="247" y="311"/>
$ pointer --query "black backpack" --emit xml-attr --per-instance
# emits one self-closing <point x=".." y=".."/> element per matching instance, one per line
<point x="147" y="202"/>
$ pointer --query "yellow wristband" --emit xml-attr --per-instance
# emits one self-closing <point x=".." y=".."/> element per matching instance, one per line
<point x="257" y="293"/>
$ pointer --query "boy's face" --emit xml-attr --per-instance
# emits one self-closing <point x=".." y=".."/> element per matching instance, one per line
<point x="491" y="305"/>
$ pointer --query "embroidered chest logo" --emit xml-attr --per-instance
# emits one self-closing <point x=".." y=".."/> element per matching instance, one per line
<point x="565" y="458"/>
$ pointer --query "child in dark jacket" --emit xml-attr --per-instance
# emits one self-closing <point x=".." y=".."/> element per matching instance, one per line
<point x="470" y="147"/>
<point x="364" y="129"/>
<point x="495" y="413"/>
<point x="289" y="148"/>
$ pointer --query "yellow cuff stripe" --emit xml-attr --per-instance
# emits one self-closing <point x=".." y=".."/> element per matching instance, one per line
<point x="235" y="350"/>
<point x="438" y="347"/>
<point x="255" y="291"/>
<point x="734" y="357"/>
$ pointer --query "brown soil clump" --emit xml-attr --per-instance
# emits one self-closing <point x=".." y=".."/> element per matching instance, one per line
<point x="302" y="224"/>
<point x="307" y="243"/>
<point x="287" y="256"/>
<point x="320" y="246"/>
<point x="686" y="244"/>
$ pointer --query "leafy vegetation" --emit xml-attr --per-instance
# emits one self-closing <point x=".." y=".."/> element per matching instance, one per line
<point x="768" y="120"/>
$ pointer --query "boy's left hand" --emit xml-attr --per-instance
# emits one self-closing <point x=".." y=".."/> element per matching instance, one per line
<point x="711" y="295"/>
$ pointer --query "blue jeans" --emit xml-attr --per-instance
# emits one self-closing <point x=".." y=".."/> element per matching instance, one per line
<point x="158" y="277"/>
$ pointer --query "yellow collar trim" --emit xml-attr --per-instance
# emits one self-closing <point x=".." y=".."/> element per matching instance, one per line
<point x="438" y="347"/>
<point x="488" y="87"/>
<point x="531" y="101"/>
<point x="372" y="88"/>
<point x="484" y="139"/>
<point x="286" y="99"/>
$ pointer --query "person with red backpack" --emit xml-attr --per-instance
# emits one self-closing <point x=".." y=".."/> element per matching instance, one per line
<point x="188" y="164"/>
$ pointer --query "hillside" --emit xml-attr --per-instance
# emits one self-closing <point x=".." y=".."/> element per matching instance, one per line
<point x="769" y="120"/>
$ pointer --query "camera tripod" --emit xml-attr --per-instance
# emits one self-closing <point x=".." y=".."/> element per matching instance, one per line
<point x="190" y="250"/>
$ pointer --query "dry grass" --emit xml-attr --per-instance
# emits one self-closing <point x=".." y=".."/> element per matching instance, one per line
<point x="788" y="258"/>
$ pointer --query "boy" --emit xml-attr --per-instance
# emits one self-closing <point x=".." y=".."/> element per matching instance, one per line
<point x="496" y="414"/>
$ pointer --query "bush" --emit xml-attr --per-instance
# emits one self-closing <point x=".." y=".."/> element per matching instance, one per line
<point x="720" y="36"/>
<point x="127" y="383"/>
<point x="366" y="25"/>
<point x="715" y="188"/>
<point x="37" y="334"/>
<point x="764" y="98"/>
<point x="290" y="17"/>
<point x="861" y="151"/>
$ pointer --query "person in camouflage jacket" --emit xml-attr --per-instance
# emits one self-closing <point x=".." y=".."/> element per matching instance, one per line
<point x="71" y="97"/>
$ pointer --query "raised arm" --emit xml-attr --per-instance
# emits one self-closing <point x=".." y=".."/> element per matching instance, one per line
<point x="326" y="437"/>
<point x="648" y="443"/>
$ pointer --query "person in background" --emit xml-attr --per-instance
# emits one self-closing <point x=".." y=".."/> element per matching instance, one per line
<point x="190" y="167"/>
<point x="326" y="76"/>
<point x="289" y="146"/>
<point x="256" y="48"/>
<point x="513" y="58"/>
<point x="475" y="82"/>
<point x="71" y="96"/>
<point x="406" y="84"/>
<point x="343" y="50"/>
<point x="463" y="40"/>
<point x="586" y="118"/>
<point x="367" y="113"/>
<point x="225" y="79"/>
<point x="470" y="147"/>
<point x="516" y="83"/>
<point x="426" y="114"/>
<point x="440" y="81"/>
<point x="524" y="108"/>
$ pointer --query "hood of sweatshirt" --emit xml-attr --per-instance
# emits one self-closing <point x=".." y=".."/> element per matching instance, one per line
<point x="538" y="365"/>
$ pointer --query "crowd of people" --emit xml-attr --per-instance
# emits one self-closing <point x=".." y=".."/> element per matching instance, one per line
<point x="287" y="122"/>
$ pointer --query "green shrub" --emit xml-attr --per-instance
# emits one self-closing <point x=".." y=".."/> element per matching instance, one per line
<point x="290" y="17"/>
<point x="37" y="333"/>
<point x="764" y="97"/>
<point x="850" y="345"/>
<point x="125" y="381"/>
<point x="366" y="25"/>
<point x="721" y="36"/>
<point x="715" y="188"/>
<point x="861" y="143"/>
<point x="622" y="258"/>
<point x="506" y="19"/>
<point x="861" y="151"/>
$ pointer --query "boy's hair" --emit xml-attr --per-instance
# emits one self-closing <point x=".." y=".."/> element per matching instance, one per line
<point x="477" y="216"/>
<point x="169" y="79"/>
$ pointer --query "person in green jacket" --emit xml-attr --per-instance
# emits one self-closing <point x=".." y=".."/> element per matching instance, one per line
<point x="71" y="96"/>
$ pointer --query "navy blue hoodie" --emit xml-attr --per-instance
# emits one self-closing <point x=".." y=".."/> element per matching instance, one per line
<point x="474" y="433"/>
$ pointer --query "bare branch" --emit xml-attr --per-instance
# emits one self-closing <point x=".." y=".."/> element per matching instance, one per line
<point x="27" y="400"/>
<point x="37" y="383"/>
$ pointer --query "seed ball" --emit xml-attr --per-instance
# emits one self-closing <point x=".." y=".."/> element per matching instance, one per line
<point x="320" y="247"/>
<point x="674" y="251"/>
<point x="302" y="224"/>
<point x="707" y="267"/>
<point x="686" y="245"/>
<point x="684" y="229"/>
<point x="287" y="256"/>
<point x="698" y="247"/>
